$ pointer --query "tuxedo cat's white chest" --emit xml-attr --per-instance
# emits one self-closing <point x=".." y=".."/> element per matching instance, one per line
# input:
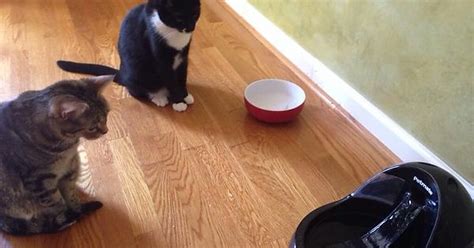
<point x="173" y="37"/>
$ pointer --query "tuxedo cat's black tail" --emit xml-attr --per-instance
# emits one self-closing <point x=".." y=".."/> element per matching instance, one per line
<point x="85" y="68"/>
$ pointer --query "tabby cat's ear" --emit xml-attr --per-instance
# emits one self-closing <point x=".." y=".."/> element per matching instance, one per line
<point x="98" y="83"/>
<point x="67" y="107"/>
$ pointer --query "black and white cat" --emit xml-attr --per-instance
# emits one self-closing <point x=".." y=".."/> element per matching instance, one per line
<point x="153" y="46"/>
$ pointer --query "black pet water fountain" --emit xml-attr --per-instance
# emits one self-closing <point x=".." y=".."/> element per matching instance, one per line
<point x="405" y="206"/>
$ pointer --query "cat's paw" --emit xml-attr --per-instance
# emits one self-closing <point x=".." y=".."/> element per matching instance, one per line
<point x="91" y="206"/>
<point x="189" y="99"/>
<point x="160" y="101"/>
<point x="160" y="98"/>
<point x="64" y="220"/>
<point x="66" y="225"/>
<point x="180" y="107"/>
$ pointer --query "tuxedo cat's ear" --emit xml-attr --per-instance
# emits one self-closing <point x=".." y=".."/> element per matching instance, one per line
<point x="168" y="3"/>
<point x="98" y="83"/>
<point x="66" y="107"/>
<point x="155" y="3"/>
<point x="163" y="3"/>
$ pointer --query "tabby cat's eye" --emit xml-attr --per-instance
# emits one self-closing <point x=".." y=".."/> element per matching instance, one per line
<point x="92" y="129"/>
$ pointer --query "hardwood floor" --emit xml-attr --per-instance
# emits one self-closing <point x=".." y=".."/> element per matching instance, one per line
<point x="209" y="177"/>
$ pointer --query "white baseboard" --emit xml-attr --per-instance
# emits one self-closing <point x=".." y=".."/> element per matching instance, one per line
<point x="400" y="142"/>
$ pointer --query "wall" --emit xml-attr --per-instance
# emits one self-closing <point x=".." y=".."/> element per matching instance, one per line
<point x="412" y="59"/>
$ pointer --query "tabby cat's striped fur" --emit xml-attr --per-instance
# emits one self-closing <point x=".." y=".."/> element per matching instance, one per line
<point x="39" y="163"/>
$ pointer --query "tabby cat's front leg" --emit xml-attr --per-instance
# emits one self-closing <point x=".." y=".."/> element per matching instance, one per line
<point x="54" y="213"/>
<point x="43" y="187"/>
<point x="68" y="188"/>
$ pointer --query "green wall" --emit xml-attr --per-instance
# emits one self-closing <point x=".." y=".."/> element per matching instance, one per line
<point x="411" y="58"/>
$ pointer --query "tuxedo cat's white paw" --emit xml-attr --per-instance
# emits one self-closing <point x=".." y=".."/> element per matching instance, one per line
<point x="189" y="99"/>
<point x="180" y="107"/>
<point x="160" y="98"/>
<point x="160" y="101"/>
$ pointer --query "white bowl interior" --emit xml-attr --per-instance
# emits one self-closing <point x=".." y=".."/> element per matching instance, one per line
<point x="274" y="95"/>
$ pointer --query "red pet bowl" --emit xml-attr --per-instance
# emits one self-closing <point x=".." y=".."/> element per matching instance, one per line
<point x="274" y="100"/>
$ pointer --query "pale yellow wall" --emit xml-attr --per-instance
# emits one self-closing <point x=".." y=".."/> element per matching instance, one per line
<point x="411" y="58"/>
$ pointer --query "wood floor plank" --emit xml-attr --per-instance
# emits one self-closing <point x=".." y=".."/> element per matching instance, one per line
<point x="209" y="177"/>
<point x="181" y="199"/>
<point x="232" y="190"/>
<point x="138" y="199"/>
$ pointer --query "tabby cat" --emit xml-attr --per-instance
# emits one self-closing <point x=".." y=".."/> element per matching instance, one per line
<point x="39" y="162"/>
<point x="153" y="46"/>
